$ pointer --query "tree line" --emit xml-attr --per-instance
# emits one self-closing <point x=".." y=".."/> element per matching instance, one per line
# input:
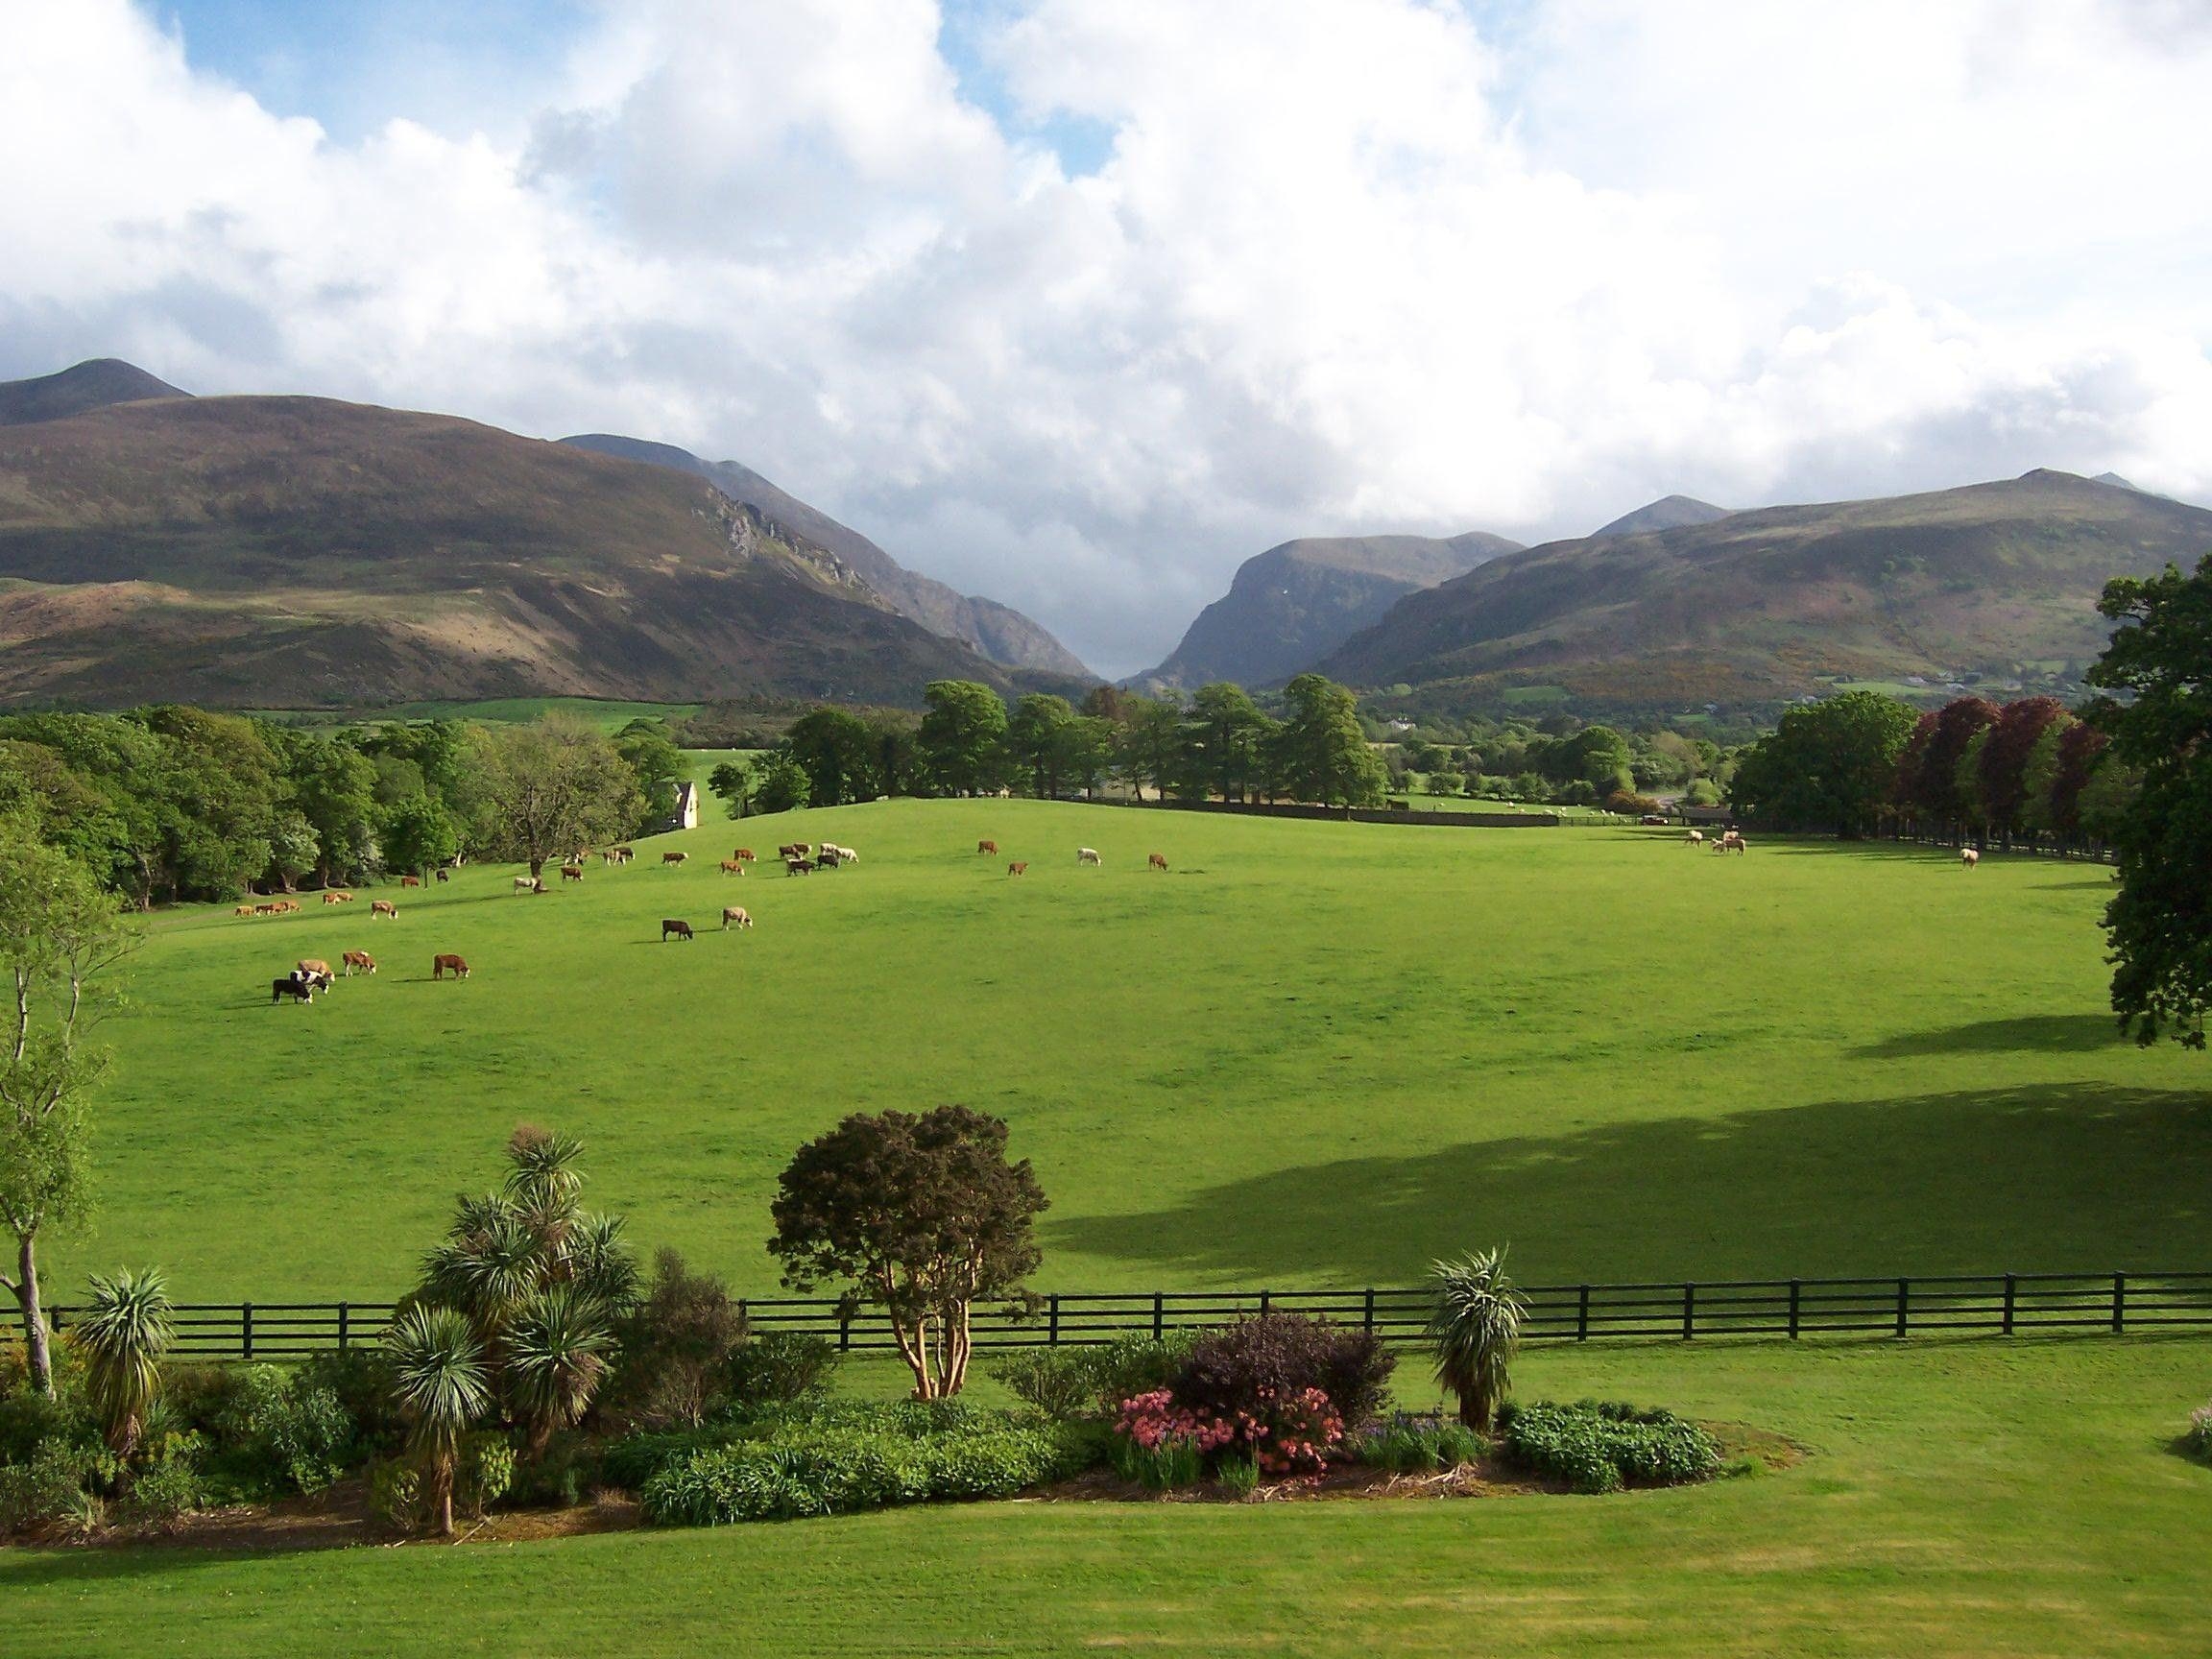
<point x="171" y="803"/>
<point x="1220" y="744"/>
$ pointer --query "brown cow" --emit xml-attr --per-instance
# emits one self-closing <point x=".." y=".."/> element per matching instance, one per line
<point x="668" y="858"/>
<point x="733" y="916"/>
<point x="244" y="910"/>
<point x="796" y="867"/>
<point x="409" y="881"/>
<point x="383" y="907"/>
<point x="796" y="850"/>
<point x="441" y="875"/>
<point x="285" y="906"/>
<point x="671" y="929"/>
<point x="360" y="959"/>
<point x="743" y="855"/>
<point x="623" y="855"/>
<point x="733" y="867"/>
<point x="571" y="871"/>
<point x="440" y="966"/>
<point x="1018" y="869"/>
<point x="265" y="910"/>
<point x="1159" y="861"/>
<point x="337" y="898"/>
<point x="986" y="848"/>
<point x="312" y="965"/>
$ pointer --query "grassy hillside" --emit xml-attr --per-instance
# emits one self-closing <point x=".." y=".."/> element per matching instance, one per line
<point x="1314" y="1054"/>
<point x="1992" y="1497"/>
<point x="298" y="552"/>
<point x="1289" y="607"/>
<point x="1998" y="580"/>
<point x="998" y="631"/>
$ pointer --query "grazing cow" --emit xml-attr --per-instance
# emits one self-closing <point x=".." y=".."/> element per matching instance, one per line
<point x="1653" y="820"/>
<point x="571" y="871"/>
<point x="797" y="850"/>
<point x="827" y="858"/>
<point x="529" y="884"/>
<point x="607" y="856"/>
<point x="1970" y="858"/>
<point x="668" y="858"/>
<point x="733" y="916"/>
<point x="441" y="965"/>
<point x="298" y="990"/>
<point x="796" y="867"/>
<point x="442" y="874"/>
<point x="244" y="910"/>
<point x="623" y="855"/>
<point x="1732" y="842"/>
<point x="337" y="896"/>
<point x="360" y="959"/>
<point x="1695" y="838"/>
<point x="409" y="881"/>
<point x="733" y="867"/>
<point x="670" y="929"/>
<point x="1017" y="868"/>
<point x="312" y="965"/>
<point x="986" y="848"/>
<point x="383" y="907"/>
<point x="1159" y="861"/>
<point x="743" y="855"/>
<point x="264" y="909"/>
<point x="1089" y="855"/>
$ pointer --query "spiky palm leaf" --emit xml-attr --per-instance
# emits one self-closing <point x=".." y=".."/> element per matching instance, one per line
<point x="601" y="1264"/>
<point x="439" y="1378"/>
<point x="556" y="1357"/>
<point x="543" y="1168"/>
<point x="489" y="1269"/>
<point x="123" y="1338"/>
<point x="1474" y="1329"/>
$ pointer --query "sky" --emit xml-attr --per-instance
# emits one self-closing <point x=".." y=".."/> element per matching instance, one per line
<point x="1079" y="303"/>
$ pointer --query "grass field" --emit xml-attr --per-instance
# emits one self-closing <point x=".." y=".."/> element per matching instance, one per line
<point x="1985" y="1498"/>
<point x="1314" y="1054"/>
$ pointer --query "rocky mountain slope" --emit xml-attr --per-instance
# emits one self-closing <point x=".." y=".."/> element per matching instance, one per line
<point x="1289" y="607"/>
<point x="996" y="630"/>
<point x="93" y="384"/>
<point x="1997" y="581"/>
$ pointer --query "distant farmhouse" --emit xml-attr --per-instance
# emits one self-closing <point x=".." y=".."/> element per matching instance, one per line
<point x="686" y="814"/>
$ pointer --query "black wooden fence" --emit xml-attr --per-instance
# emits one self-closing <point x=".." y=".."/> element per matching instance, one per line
<point x="1997" y="1304"/>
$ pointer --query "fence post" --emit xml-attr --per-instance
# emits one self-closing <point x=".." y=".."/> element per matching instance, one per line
<point x="1367" y="1313"/>
<point x="1264" y="1295"/>
<point x="1689" y="1312"/>
<point x="1159" y="1314"/>
<point x="1903" y="1291"/>
<point x="2011" y="1298"/>
<point x="1797" y="1296"/>
<point x="246" y="1328"/>
<point x="1582" y="1315"/>
<point x="341" y="1316"/>
<point x="2119" y="1303"/>
<point x="844" y="1333"/>
<point x="1052" y="1328"/>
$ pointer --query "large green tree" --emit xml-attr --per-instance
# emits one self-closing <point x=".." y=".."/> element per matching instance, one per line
<point x="2160" y="922"/>
<point x="1225" y="740"/>
<point x="837" y="752"/>
<point x="1321" y="752"/>
<point x="658" y="766"/>
<point x="60" y="935"/>
<point x="1828" y="765"/>
<point x="1148" y="743"/>
<point x="1037" y="737"/>
<point x="543" y="789"/>
<point x="963" y="736"/>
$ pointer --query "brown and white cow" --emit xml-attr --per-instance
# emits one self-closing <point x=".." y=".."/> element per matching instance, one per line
<point x="443" y="965"/>
<point x="571" y="871"/>
<point x="244" y="910"/>
<point x="733" y="916"/>
<point x="358" y="959"/>
<point x="1970" y="858"/>
<point x="335" y="897"/>
<point x="668" y="858"/>
<point x="314" y="964"/>
<point x="732" y="866"/>
<point x="743" y="855"/>
<point x="383" y="907"/>
<point x="409" y="881"/>
<point x="443" y="876"/>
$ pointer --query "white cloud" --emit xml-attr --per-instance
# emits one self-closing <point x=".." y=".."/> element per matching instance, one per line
<point x="1348" y="264"/>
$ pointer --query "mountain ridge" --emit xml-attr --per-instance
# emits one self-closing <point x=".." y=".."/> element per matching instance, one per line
<point x="96" y="383"/>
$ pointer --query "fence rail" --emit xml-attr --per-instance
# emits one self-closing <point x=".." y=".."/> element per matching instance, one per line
<point x="1996" y="1304"/>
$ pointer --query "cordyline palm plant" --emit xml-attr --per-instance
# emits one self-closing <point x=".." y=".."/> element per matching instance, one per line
<point x="438" y="1374"/>
<point x="1474" y="1329"/>
<point x="123" y="1338"/>
<point x="557" y="1355"/>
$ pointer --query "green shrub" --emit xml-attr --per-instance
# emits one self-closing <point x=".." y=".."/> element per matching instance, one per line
<point x="674" y="1350"/>
<point x="485" y="1472"/>
<point x="781" y="1368"/>
<point x="1167" y="1466"/>
<point x="1239" y="1476"/>
<point x="361" y="1381"/>
<point x="1094" y="1381"/>
<point x="51" y="1491"/>
<point x="169" y="1482"/>
<point x="568" y="1472"/>
<point x="1419" y="1446"/>
<point x="852" y="1457"/>
<point x="2198" y="1438"/>
<point x="396" y="1495"/>
<point x="1601" y="1448"/>
<point x="277" y="1433"/>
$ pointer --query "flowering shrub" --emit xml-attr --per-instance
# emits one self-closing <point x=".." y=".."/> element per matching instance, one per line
<point x="2199" y="1435"/>
<point x="1277" y="1357"/>
<point x="1303" y="1430"/>
<point x="1289" y="1434"/>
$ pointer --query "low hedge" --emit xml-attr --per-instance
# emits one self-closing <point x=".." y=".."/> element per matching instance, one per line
<point x="1595" y="1447"/>
<point x="852" y="1457"/>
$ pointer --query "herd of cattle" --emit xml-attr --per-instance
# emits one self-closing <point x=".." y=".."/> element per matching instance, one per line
<point x="1083" y="855"/>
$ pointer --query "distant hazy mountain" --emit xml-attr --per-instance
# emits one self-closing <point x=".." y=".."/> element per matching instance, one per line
<point x="1289" y="607"/>
<point x="999" y="632"/>
<point x="1667" y="512"/>
<point x="301" y="552"/>
<point x="89" y="385"/>
<point x="1994" y="580"/>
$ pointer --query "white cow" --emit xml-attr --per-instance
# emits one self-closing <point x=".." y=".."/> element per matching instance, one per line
<point x="1089" y="855"/>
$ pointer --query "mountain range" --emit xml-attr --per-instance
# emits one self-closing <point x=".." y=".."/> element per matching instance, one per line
<point x="1992" y="582"/>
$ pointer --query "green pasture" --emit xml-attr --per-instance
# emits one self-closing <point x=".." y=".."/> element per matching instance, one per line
<point x="1979" y="1498"/>
<point x="1311" y="1054"/>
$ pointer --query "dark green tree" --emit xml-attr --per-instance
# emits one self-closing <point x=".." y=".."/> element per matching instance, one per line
<point x="837" y="752"/>
<point x="963" y="736"/>
<point x="658" y="766"/>
<point x="1148" y="743"/>
<point x="1036" y="739"/>
<point x="1321" y="753"/>
<point x="1225" y="738"/>
<point x="1828" y="765"/>
<point x="2159" y="924"/>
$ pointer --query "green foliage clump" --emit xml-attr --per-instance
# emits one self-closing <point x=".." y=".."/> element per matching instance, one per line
<point x="1596" y="1447"/>
<point x="1239" y="1476"/>
<point x="277" y="1432"/>
<point x="1413" y="1446"/>
<point x="54" y="1490"/>
<point x="781" y="1368"/>
<point x="1169" y="1465"/>
<point x="844" y="1459"/>
<point x="1093" y="1381"/>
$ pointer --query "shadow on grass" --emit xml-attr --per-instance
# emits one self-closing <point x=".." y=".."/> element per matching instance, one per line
<point x="2037" y="1034"/>
<point x="2051" y="1178"/>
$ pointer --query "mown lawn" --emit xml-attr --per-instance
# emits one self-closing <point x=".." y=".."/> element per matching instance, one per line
<point x="1311" y="1054"/>
<point x="1979" y="1498"/>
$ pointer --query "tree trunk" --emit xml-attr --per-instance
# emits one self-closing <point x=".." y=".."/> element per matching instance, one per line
<point x="441" y="1482"/>
<point x="35" y="1334"/>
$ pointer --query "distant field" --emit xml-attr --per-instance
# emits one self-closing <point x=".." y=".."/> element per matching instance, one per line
<point x="1314" y="1054"/>
<point x="1983" y="1497"/>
